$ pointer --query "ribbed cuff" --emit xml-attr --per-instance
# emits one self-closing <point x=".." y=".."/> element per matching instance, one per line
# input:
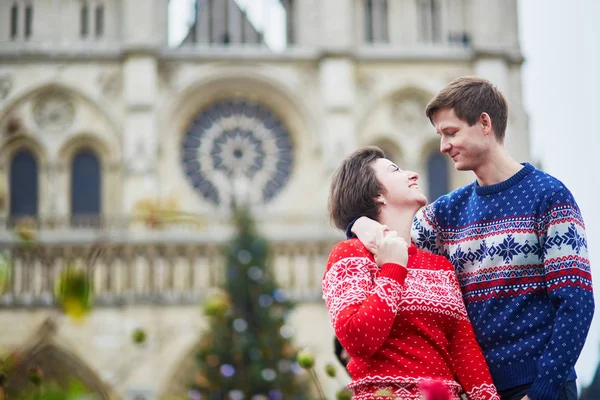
<point x="542" y="389"/>
<point x="396" y="272"/>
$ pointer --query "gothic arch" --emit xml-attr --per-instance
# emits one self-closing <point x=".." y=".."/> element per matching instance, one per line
<point x="17" y="98"/>
<point x="432" y="158"/>
<point x="230" y="82"/>
<point x="56" y="362"/>
<point x="390" y="147"/>
<point x="399" y="113"/>
<point x="97" y="144"/>
<point x="8" y="149"/>
<point x="429" y="146"/>
<point x="9" y="146"/>
<point x="421" y="91"/>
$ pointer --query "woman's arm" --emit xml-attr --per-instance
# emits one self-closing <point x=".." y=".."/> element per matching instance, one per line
<point x="362" y="304"/>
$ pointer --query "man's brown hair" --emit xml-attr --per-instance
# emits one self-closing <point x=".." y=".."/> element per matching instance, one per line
<point x="355" y="187"/>
<point x="469" y="97"/>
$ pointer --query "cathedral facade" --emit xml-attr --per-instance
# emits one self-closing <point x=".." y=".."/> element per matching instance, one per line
<point x="102" y="116"/>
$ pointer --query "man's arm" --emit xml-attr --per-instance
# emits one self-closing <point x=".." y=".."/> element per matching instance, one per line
<point x="366" y="230"/>
<point x="569" y="286"/>
<point x="425" y="232"/>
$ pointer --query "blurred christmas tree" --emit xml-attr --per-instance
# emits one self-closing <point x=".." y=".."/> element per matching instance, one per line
<point x="247" y="352"/>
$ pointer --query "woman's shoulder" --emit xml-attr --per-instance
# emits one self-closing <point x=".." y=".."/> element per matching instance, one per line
<point x="351" y="248"/>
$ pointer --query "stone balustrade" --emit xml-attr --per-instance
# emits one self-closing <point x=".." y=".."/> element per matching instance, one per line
<point x="153" y="272"/>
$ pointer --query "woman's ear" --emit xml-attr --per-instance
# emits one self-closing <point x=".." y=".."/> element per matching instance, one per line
<point x="381" y="200"/>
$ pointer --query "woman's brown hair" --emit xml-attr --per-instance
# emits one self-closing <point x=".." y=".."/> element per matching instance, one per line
<point x="355" y="187"/>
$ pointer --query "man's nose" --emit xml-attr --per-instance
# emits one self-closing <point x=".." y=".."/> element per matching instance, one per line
<point x="445" y="146"/>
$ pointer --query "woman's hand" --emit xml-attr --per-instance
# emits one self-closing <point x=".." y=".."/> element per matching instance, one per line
<point x="390" y="248"/>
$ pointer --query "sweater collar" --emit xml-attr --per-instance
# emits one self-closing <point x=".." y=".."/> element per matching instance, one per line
<point x="498" y="187"/>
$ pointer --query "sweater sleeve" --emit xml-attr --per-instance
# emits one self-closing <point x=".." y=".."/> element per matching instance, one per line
<point x="569" y="285"/>
<point x="362" y="305"/>
<point x="425" y="233"/>
<point x="469" y="364"/>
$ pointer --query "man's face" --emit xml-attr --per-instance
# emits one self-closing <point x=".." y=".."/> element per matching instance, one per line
<point x="465" y="145"/>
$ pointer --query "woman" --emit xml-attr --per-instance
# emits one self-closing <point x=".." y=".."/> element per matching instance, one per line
<point x="400" y="317"/>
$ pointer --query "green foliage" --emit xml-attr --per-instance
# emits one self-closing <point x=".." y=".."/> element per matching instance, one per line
<point x="74" y="292"/>
<point x="5" y="271"/>
<point x="52" y="391"/>
<point x="139" y="336"/>
<point x="247" y="351"/>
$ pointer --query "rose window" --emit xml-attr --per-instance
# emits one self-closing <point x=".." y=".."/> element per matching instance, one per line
<point x="237" y="149"/>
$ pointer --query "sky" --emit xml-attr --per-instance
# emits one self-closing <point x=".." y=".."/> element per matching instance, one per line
<point x="560" y="40"/>
<point x="268" y="16"/>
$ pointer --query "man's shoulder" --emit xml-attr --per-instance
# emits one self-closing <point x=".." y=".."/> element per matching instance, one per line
<point x="548" y="189"/>
<point x="446" y="200"/>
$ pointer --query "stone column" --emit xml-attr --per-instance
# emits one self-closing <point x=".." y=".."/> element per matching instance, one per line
<point x="337" y="80"/>
<point x="497" y="70"/>
<point x="144" y="32"/>
<point x="140" y="136"/>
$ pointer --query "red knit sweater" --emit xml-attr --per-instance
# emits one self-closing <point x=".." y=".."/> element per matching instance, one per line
<point x="403" y="325"/>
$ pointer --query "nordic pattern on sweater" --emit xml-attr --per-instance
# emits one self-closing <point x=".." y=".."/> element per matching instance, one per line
<point x="520" y="253"/>
<point x="402" y="324"/>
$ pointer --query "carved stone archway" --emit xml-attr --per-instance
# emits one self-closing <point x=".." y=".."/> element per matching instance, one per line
<point x="43" y="352"/>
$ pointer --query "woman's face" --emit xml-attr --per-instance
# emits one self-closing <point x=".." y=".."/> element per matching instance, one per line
<point x="401" y="187"/>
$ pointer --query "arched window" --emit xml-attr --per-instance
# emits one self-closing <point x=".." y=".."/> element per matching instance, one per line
<point x="23" y="184"/>
<point x="86" y="187"/>
<point x="437" y="175"/>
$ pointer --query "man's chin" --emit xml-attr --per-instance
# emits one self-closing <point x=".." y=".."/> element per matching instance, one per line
<point x="461" y="166"/>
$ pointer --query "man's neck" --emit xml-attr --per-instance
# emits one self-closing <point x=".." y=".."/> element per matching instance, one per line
<point x="499" y="167"/>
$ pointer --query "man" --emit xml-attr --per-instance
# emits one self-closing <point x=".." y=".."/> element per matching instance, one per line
<point x="517" y="241"/>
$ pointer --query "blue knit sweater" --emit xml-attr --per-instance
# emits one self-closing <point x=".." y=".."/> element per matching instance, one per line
<point x="520" y="253"/>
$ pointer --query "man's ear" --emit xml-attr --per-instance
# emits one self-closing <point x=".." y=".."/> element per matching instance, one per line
<point x="486" y="123"/>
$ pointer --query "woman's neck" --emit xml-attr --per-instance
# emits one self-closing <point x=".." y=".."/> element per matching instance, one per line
<point x="398" y="220"/>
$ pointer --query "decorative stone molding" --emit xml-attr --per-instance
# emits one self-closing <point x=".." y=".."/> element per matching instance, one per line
<point x="167" y="71"/>
<point x="110" y="82"/>
<point x="365" y="84"/>
<point x="409" y="110"/>
<point x="53" y="111"/>
<point x="6" y="83"/>
<point x="13" y="126"/>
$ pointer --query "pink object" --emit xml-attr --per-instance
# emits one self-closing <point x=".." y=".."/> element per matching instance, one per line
<point x="434" y="390"/>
